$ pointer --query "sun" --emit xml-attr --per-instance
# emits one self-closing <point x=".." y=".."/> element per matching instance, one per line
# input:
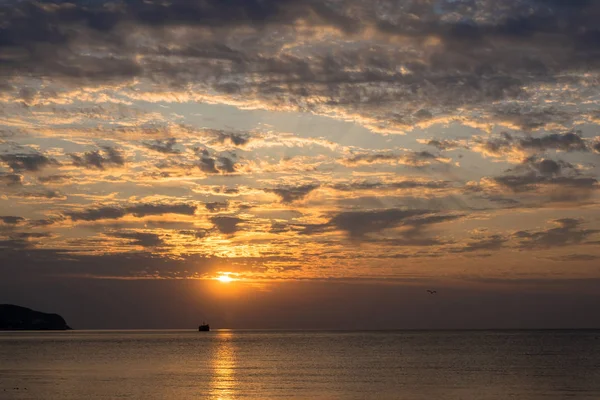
<point x="225" y="279"/>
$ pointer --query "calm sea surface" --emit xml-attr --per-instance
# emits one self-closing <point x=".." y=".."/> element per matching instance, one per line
<point x="307" y="365"/>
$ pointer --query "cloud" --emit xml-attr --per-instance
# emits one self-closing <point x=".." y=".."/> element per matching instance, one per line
<point x="198" y="233"/>
<point x="54" y="179"/>
<point x="226" y="225"/>
<point x="407" y="184"/>
<point x="27" y="162"/>
<point x="576" y="257"/>
<point x="494" y="242"/>
<point x="567" y="232"/>
<point x="207" y="164"/>
<point x="139" y="211"/>
<point x="413" y="159"/>
<point x="518" y="148"/>
<point x="226" y="165"/>
<point x="42" y="194"/>
<point x="163" y="146"/>
<point x="442" y="144"/>
<point x="141" y="238"/>
<point x="453" y="57"/>
<point x="230" y="138"/>
<point x="11" y="179"/>
<point x="148" y="209"/>
<point x="156" y="76"/>
<point x="215" y="165"/>
<point x="95" y="159"/>
<point x="568" y="142"/>
<point x="291" y="194"/>
<point x="217" y="206"/>
<point x="11" y="220"/>
<point x="556" y="181"/>
<point x="359" y="224"/>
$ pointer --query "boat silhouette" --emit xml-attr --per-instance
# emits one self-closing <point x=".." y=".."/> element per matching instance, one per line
<point x="204" y="327"/>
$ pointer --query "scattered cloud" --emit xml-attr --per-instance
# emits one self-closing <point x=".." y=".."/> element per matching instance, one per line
<point x="99" y="160"/>
<point x="27" y="162"/>
<point x="139" y="211"/>
<point x="163" y="146"/>
<point x="291" y="194"/>
<point x="567" y="232"/>
<point x="141" y="238"/>
<point x="226" y="225"/>
<point x="12" y="220"/>
<point x="412" y="159"/>
<point x="346" y="111"/>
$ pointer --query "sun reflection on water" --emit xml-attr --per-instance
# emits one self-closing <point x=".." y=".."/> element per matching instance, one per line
<point x="223" y="383"/>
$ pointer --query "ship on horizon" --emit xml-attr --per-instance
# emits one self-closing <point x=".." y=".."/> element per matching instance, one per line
<point x="204" y="327"/>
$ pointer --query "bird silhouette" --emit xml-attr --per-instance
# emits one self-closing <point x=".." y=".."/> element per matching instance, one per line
<point x="432" y="291"/>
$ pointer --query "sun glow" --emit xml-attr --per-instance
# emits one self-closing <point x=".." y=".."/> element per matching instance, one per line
<point x="225" y="279"/>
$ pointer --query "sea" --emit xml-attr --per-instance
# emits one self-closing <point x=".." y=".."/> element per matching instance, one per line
<point x="237" y="364"/>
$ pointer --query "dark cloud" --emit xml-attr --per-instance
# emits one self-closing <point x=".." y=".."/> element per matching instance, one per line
<point x="576" y="257"/>
<point x="215" y="165"/>
<point x="506" y="144"/>
<point x="499" y="145"/>
<point x="54" y="179"/>
<point x="232" y="138"/>
<point x="226" y="225"/>
<point x="494" y="242"/>
<point x="560" y="180"/>
<point x="360" y="223"/>
<point x="11" y="179"/>
<point x="530" y="118"/>
<point x="148" y="209"/>
<point x="568" y="232"/>
<point x="198" y="233"/>
<point x="364" y="226"/>
<point x="31" y="235"/>
<point x="42" y="194"/>
<point x="413" y="159"/>
<point x="278" y="227"/>
<point x="217" y="206"/>
<point x="47" y="30"/>
<point x="97" y="214"/>
<point x="27" y="162"/>
<point x="291" y="194"/>
<point x="565" y="142"/>
<point x="163" y="146"/>
<point x="139" y="210"/>
<point x="444" y="144"/>
<point x="12" y="220"/>
<point x="207" y="164"/>
<point x="546" y="167"/>
<point x="141" y="238"/>
<point x="226" y="165"/>
<point x="408" y="184"/>
<point x="531" y="182"/>
<point x="95" y="159"/>
<point x="483" y="52"/>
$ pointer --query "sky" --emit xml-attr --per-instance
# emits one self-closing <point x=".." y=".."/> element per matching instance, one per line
<point x="335" y="158"/>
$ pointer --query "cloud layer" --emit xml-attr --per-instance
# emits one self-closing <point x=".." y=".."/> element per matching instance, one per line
<point x="301" y="139"/>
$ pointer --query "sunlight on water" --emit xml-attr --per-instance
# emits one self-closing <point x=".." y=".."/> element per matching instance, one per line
<point x="223" y="382"/>
<point x="262" y="365"/>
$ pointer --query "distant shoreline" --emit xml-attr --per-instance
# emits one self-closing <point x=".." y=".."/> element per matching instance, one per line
<point x="15" y="318"/>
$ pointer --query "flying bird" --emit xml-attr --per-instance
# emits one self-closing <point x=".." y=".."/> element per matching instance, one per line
<point x="432" y="291"/>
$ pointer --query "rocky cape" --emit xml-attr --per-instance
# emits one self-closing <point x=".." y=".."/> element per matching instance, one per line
<point x="16" y="318"/>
